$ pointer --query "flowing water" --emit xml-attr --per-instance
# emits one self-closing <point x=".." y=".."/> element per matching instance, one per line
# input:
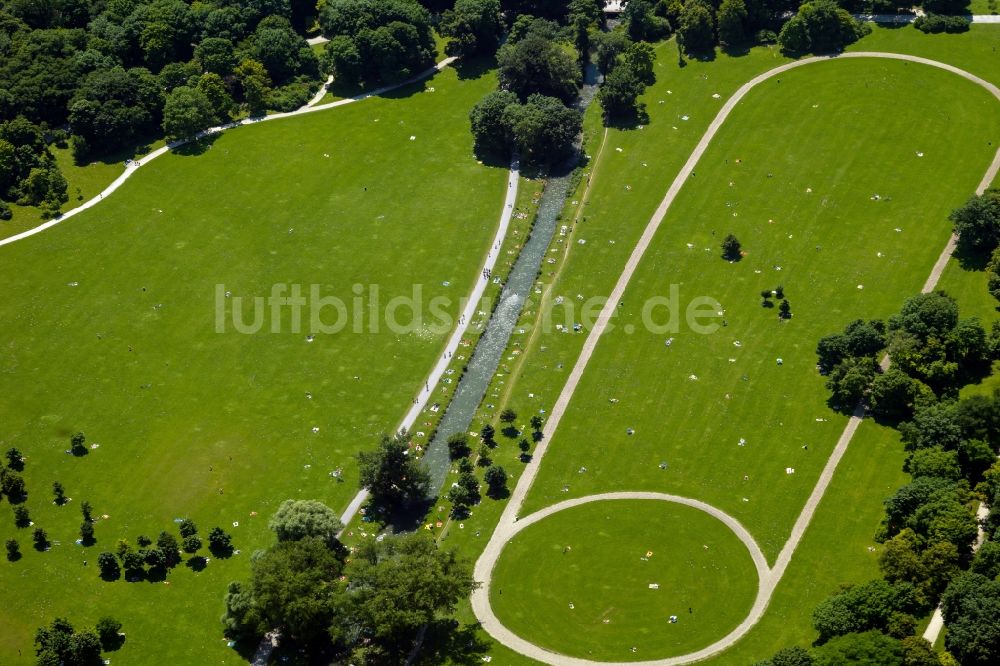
<point x="486" y="358"/>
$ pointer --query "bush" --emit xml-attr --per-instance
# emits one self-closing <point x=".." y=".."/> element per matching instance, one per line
<point x="107" y="630"/>
<point x="731" y="248"/>
<point x="191" y="544"/>
<point x="188" y="528"/>
<point x="108" y="565"/>
<point x="87" y="533"/>
<point x="458" y="446"/>
<point x="5" y="211"/>
<point x="936" y="23"/>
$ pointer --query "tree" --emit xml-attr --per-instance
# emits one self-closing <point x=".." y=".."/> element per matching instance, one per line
<point x="86" y="509"/>
<point x="785" y="310"/>
<point x="473" y="25"/>
<point x="696" y="27"/>
<point x="186" y="112"/>
<point x="923" y="316"/>
<point x="987" y="560"/>
<point x="166" y="543"/>
<point x="21" y="518"/>
<point x="255" y="83"/>
<point x="642" y="22"/>
<point x="13" y="487"/>
<point x="108" y="565"/>
<point x="13" y="550"/>
<point x="391" y="476"/>
<point x="87" y="533"/>
<point x="607" y="47"/>
<point x="213" y="88"/>
<point x="918" y="652"/>
<point x="850" y="381"/>
<point x="831" y="350"/>
<point x="300" y="519"/>
<point x="458" y="446"/>
<point x="871" y="648"/>
<point x="821" y="26"/>
<point x="536" y="422"/>
<point x="187" y="528"/>
<point x="393" y="38"/>
<point x="487" y="433"/>
<point x="933" y="461"/>
<point x="53" y="643"/>
<point x="544" y="131"/>
<point x="893" y="394"/>
<point x="191" y="544"/>
<point x="14" y="459"/>
<point x="537" y="65"/>
<point x="732" y="18"/>
<point x="970" y="607"/>
<point x="792" y="656"/>
<point x="491" y="134"/>
<point x="77" y="442"/>
<point x="977" y="223"/>
<point x="108" y="630"/>
<point x="342" y="59"/>
<point x="58" y="493"/>
<point x="220" y="543"/>
<point x="731" y="248"/>
<point x="115" y="107"/>
<point x="40" y="538"/>
<point x="470" y="484"/>
<point x="508" y="415"/>
<point x="401" y="584"/>
<point x="496" y="480"/>
<point x="619" y="94"/>
<point x="295" y="585"/>
<point x="863" y="607"/>
<point x="216" y="55"/>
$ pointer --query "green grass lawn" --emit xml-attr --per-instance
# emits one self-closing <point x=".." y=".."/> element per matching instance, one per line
<point x="703" y="572"/>
<point x="984" y="7"/>
<point x="843" y="528"/>
<point x="796" y="190"/>
<point x="110" y="329"/>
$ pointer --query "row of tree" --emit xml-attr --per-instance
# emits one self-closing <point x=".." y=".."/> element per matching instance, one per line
<point x="930" y="527"/>
<point x="61" y="643"/>
<point x="146" y="562"/>
<point x="366" y="604"/>
<point x="933" y="354"/>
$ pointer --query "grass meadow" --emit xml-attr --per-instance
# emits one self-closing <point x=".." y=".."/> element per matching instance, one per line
<point x="110" y="329"/>
<point x="861" y="138"/>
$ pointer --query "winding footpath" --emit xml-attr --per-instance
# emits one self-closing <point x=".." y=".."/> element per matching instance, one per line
<point x="134" y="165"/>
<point x="509" y="525"/>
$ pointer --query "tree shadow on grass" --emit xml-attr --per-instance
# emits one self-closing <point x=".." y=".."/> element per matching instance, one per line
<point x="447" y="642"/>
<point x="409" y="518"/>
<point x="198" y="146"/>
<point x="474" y="68"/>
<point x="196" y="563"/>
<point x="629" y="121"/>
<point x="970" y="259"/>
<point x="736" y="50"/>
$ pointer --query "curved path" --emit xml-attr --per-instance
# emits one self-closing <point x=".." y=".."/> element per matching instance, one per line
<point x="135" y="165"/>
<point x="508" y="523"/>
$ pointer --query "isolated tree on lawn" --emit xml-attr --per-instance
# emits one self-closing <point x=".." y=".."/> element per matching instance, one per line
<point x="298" y="519"/>
<point x="390" y="475"/>
<point x="496" y="480"/>
<point x="731" y="248"/>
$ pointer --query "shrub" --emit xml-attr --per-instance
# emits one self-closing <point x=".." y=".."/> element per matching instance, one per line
<point x="936" y="23"/>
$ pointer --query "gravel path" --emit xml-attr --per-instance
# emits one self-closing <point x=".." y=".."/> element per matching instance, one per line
<point x="507" y="525"/>
<point x="135" y="165"/>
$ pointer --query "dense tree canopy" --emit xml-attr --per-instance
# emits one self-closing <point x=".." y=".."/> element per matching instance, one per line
<point x="393" y="478"/>
<point x="538" y="65"/>
<point x="392" y="38"/>
<point x="473" y="25"/>
<point x="820" y="26"/>
<point x="300" y="519"/>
